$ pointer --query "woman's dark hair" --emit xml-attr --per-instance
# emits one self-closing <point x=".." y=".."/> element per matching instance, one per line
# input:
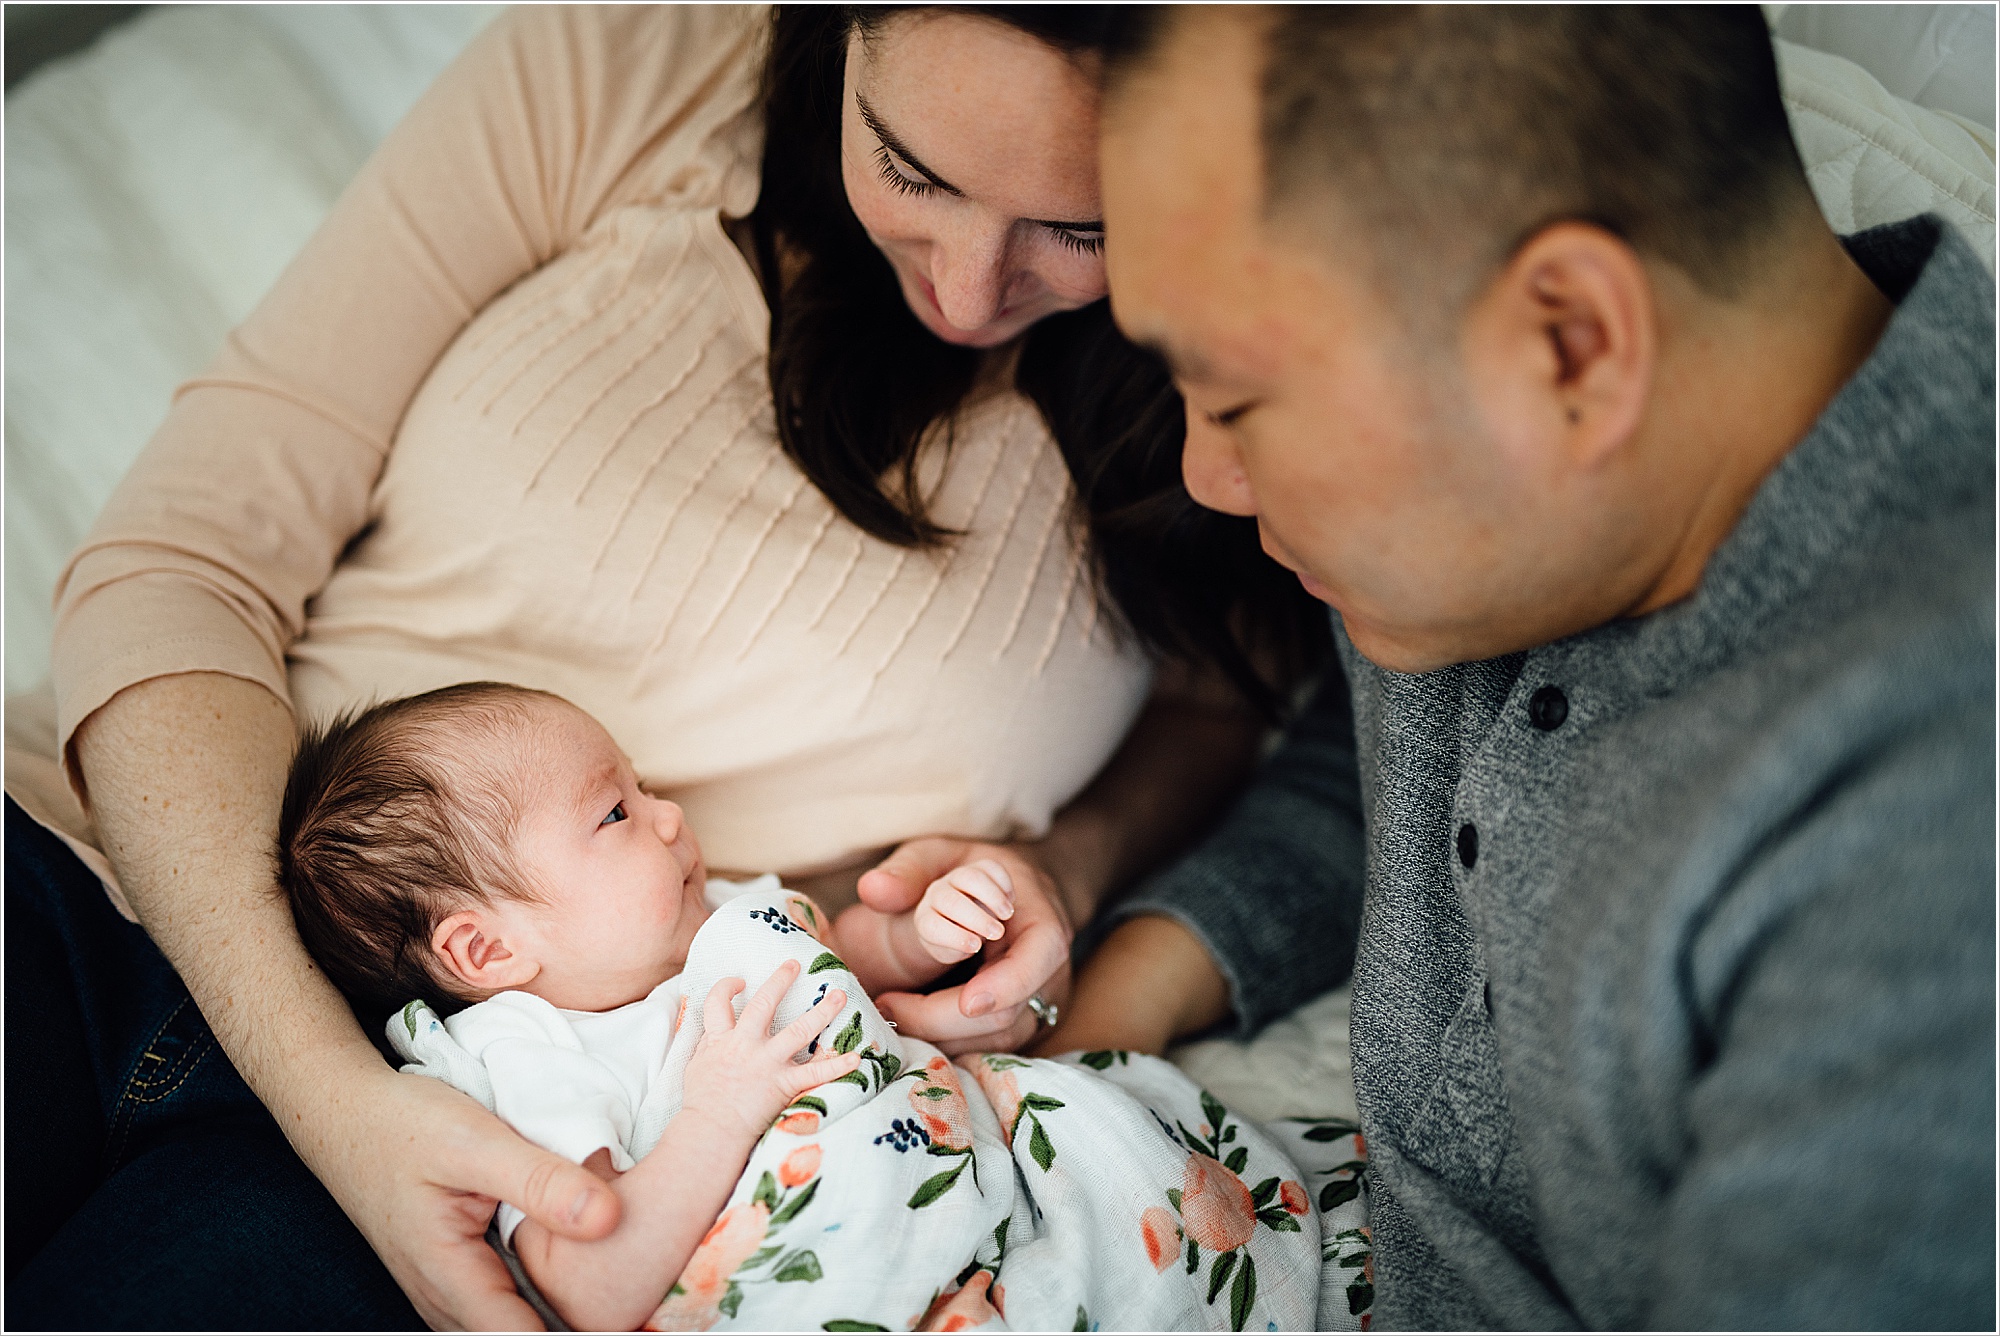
<point x="859" y="382"/>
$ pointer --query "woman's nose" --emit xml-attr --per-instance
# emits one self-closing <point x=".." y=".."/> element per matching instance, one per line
<point x="1212" y="467"/>
<point x="970" y="274"/>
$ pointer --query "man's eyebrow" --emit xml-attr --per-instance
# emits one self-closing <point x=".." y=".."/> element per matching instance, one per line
<point x="891" y="141"/>
<point x="896" y="146"/>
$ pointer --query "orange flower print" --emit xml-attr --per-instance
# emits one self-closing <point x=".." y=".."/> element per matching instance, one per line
<point x="939" y="1101"/>
<point x="799" y="1166"/>
<point x="1293" y="1195"/>
<point x="694" y="1305"/>
<point x="961" y="1309"/>
<point x="1216" y="1209"/>
<point x="681" y="1014"/>
<point x="803" y="1123"/>
<point x="800" y="911"/>
<point x="1161" y="1236"/>
<point x="1360" y="1146"/>
<point x="1001" y="1089"/>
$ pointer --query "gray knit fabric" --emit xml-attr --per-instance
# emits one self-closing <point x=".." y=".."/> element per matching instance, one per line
<point x="1704" y="1036"/>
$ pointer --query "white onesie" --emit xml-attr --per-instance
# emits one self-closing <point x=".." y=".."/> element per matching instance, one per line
<point x="572" y="1082"/>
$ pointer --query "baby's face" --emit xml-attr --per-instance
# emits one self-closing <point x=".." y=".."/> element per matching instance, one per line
<point x="621" y="874"/>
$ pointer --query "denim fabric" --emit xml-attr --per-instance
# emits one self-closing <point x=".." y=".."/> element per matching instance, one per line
<point x="146" y="1186"/>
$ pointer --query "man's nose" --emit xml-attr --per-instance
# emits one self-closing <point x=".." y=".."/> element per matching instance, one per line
<point x="1212" y="467"/>
<point x="970" y="273"/>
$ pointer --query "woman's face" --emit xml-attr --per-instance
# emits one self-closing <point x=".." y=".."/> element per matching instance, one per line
<point x="969" y="151"/>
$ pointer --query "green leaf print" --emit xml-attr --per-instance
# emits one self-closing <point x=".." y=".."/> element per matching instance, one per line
<point x="1359" y="1295"/>
<point x="1211" y="1109"/>
<point x="935" y="1186"/>
<point x="800" y="1265"/>
<point x="767" y="1191"/>
<point x="1102" y="1058"/>
<point x="1353" y="1260"/>
<point x="1243" y="1293"/>
<point x="1039" y="1145"/>
<point x="1174" y="1196"/>
<point x="1218" y="1275"/>
<point x="410" y="1017"/>
<point x="812" y="1102"/>
<point x="1339" y="1194"/>
<point x="761" y="1256"/>
<point x="1001" y="1063"/>
<point x="1194" y="1256"/>
<point x="825" y="961"/>
<point x="1279" y="1220"/>
<point x="852" y="1078"/>
<point x="849" y="1324"/>
<point x="794" y="1206"/>
<point x="1237" y="1159"/>
<point x="1082" y="1320"/>
<point x="1043" y="1102"/>
<point x="1000" y="1240"/>
<point x="1333" y="1131"/>
<point x="732" y="1299"/>
<point x="849" y="1039"/>
<point x="1263" y="1192"/>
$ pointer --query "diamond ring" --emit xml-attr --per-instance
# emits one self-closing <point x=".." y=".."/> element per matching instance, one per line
<point x="1045" y="1011"/>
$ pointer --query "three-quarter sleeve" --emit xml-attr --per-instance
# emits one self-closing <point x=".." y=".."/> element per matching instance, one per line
<point x="1274" y="894"/>
<point x="236" y="512"/>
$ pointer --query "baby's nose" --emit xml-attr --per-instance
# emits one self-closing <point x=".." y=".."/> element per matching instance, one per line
<point x="668" y="819"/>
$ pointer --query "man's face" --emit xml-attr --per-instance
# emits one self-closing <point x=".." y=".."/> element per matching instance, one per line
<point x="1312" y="403"/>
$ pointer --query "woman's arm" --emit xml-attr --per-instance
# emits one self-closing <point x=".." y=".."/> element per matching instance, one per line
<point x="176" y="614"/>
<point x="185" y="776"/>
<point x="1185" y="758"/>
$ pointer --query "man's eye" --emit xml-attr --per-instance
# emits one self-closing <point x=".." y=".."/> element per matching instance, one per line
<point x="616" y="814"/>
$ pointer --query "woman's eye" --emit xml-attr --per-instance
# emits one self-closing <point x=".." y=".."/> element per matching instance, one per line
<point x="615" y="815"/>
<point x="894" y="175"/>
<point x="1087" y="243"/>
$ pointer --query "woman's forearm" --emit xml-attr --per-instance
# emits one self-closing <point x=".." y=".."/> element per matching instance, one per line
<point x="184" y="777"/>
<point x="1151" y="982"/>
<point x="671" y="1200"/>
<point x="1183" y="761"/>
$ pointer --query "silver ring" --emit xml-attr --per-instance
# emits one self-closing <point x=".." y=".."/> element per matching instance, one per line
<point x="1045" y="1011"/>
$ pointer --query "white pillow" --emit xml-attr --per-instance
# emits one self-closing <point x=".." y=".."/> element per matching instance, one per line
<point x="157" y="183"/>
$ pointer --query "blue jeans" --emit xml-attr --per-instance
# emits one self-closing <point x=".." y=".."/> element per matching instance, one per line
<point x="147" y="1188"/>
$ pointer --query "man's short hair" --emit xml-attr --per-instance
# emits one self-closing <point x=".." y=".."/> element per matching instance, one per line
<point x="1470" y="128"/>
<point x="387" y="828"/>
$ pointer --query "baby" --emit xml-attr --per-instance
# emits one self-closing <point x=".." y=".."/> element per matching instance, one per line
<point x="488" y="848"/>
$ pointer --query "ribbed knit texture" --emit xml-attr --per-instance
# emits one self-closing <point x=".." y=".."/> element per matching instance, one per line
<point x="508" y="416"/>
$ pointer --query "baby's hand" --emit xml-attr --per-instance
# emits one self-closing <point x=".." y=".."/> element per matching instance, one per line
<point x="963" y="910"/>
<point x="741" y="1074"/>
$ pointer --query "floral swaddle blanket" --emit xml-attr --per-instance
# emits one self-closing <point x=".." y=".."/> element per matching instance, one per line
<point x="1096" y="1190"/>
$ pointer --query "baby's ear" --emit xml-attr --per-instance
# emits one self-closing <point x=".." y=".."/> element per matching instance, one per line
<point x="472" y="945"/>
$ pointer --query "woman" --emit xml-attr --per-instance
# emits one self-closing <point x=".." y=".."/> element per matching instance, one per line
<point x="766" y="456"/>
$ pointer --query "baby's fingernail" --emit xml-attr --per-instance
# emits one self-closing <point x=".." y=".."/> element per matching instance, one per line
<point x="979" y="1004"/>
<point x="576" y="1208"/>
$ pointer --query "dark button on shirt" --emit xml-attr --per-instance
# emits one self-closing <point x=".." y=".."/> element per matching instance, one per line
<point x="1548" y="708"/>
<point x="1468" y="844"/>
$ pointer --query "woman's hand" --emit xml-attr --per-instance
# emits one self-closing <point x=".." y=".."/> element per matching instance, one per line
<point x="987" y="1013"/>
<point x="740" y="1074"/>
<point x="419" y="1168"/>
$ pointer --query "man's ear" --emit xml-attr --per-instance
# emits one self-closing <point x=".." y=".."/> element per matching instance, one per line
<point x="474" y="946"/>
<point x="1562" y="345"/>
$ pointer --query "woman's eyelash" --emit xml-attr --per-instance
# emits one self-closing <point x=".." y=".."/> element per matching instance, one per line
<point x="1084" y="245"/>
<point x="615" y="815"/>
<point x="896" y="179"/>
<point x="893" y="176"/>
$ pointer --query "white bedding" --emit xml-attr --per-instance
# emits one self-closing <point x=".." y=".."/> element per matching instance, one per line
<point x="157" y="182"/>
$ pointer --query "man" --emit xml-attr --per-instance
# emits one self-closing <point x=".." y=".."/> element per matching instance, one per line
<point x="1657" y="523"/>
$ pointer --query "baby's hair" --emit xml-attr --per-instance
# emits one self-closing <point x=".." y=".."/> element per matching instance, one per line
<point x="384" y="832"/>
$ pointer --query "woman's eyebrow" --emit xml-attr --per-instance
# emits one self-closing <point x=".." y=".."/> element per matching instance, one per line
<point x="873" y="120"/>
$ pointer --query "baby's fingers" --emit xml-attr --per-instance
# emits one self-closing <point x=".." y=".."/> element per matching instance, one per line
<point x="988" y="883"/>
<point x="717" y="1016"/>
<point x="808" y="1026"/>
<point x="762" y="1008"/>
<point x="831" y="1067"/>
<point x="958" y="907"/>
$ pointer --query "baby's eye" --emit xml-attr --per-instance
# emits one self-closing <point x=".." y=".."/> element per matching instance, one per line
<point x="614" y="815"/>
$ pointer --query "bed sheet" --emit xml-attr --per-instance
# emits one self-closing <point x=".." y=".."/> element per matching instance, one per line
<point x="158" y="181"/>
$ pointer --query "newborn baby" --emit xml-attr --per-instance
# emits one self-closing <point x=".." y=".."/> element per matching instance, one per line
<point x="489" y="845"/>
<point x="486" y="852"/>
